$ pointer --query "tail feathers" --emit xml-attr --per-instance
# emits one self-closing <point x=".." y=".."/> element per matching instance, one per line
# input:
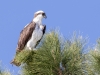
<point x="13" y="62"/>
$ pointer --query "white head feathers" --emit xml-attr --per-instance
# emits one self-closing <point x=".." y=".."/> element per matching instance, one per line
<point x="40" y="11"/>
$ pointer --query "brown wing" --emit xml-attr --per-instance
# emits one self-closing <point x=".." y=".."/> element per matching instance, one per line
<point x="25" y="35"/>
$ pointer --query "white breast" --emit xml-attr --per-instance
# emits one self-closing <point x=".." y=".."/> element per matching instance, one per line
<point x="36" y="36"/>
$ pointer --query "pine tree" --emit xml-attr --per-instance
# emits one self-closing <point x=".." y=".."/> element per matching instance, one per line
<point x="4" y="71"/>
<point x="95" y="58"/>
<point x="58" y="56"/>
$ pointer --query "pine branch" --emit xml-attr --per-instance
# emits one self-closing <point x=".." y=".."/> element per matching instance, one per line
<point x="54" y="57"/>
<point x="95" y="57"/>
<point x="46" y="59"/>
<point x="4" y="71"/>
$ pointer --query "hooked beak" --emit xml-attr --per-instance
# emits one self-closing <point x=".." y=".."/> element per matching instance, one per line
<point x="45" y="16"/>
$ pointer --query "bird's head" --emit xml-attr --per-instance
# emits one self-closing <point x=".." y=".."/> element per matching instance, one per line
<point x="41" y="14"/>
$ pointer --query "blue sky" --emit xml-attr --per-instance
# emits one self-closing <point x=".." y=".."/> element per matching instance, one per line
<point x="69" y="15"/>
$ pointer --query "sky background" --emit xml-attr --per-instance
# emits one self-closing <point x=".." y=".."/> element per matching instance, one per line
<point x="68" y="15"/>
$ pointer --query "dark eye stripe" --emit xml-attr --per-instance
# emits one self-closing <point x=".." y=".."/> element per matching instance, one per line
<point x="39" y="14"/>
<point x="43" y="13"/>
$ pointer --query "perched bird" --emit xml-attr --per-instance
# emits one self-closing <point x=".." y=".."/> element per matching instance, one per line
<point x="32" y="33"/>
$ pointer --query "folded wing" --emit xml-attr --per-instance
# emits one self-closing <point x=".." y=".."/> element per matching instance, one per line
<point x="25" y="35"/>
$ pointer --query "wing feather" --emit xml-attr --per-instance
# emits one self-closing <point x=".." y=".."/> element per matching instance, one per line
<point x="25" y="35"/>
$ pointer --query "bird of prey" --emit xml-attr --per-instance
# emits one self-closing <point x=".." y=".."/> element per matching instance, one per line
<point x="32" y="33"/>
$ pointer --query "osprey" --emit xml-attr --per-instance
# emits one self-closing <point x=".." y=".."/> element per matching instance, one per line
<point x="31" y="34"/>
